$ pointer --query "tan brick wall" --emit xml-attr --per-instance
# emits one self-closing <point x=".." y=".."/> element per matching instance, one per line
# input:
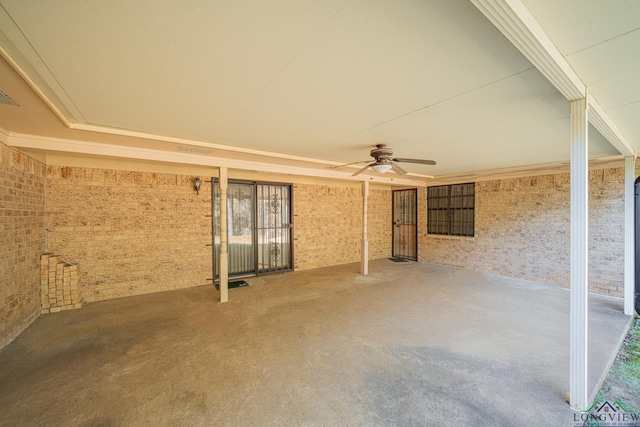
<point x="522" y="231"/>
<point x="139" y="232"/>
<point x="606" y="232"/>
<point x="130" y="232"/>
<point x="328" y="224"/>
<point x="379" y="223"/>
<point x="22" y="240"/>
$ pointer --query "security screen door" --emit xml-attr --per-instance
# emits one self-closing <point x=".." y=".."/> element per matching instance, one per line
<point x="259" y="227"/>
<point x="273" y="227"/>
<point x="405" y="221"/>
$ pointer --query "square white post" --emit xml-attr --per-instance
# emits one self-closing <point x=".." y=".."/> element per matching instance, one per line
<point x="578" y="345"/>
<point x="629" y="235"/>
<point x="364" y="262"/>
<point x="224" y="246"/>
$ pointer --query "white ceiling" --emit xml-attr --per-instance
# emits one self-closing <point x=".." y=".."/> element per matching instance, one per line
<point x="323" y="80"/>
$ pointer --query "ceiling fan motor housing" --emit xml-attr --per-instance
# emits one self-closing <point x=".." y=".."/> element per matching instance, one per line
<point x="382" y="152"/>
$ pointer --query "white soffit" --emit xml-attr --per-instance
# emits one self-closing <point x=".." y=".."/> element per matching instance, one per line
<point x="515" y="126"/>
<point x="602" y="46"/>
<point x="317" y="80"/>
<point x="519" y="26"/>
<point x="514" y="19"/>
<point x="575" y="25"/>
<point x="612" y="76"/>
<point x="372" y="65"/>
<point x="135" y="57"/>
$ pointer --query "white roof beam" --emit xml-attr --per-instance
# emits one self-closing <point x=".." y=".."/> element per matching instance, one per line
<point x="601" y="121"/>
<point x="515" y="21"/>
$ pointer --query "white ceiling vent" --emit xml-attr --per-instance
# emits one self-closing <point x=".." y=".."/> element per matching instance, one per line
<point x="4" y="99"/>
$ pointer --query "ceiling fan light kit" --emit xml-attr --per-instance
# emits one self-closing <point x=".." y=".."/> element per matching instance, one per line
<point x="384" y="161"/>
<point x="381" y="167"/>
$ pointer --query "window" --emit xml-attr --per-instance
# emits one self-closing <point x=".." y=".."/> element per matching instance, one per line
<point x="450" y="209"/>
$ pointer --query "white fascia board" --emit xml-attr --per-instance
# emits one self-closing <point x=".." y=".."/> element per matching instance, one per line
<point x="148" y="154"/>
<point x="176" y="140"/>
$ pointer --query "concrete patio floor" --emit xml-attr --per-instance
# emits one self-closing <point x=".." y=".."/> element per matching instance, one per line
<point x="409" y="345"/>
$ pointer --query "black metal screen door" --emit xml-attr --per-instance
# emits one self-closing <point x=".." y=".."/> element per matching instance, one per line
<point x="258" y="226"/>
<point x="405" y="224"/>
<point x="273" y="228"/>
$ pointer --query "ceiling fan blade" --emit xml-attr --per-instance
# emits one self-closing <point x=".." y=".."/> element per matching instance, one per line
<point x="419" y="161"/>
<point x="349" y="164"/>
<point x="363" y="169"/>
<point x="397" y="169"/>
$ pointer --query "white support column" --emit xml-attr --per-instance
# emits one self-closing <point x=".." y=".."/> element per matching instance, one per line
<point x="629" y="235"/>
<point x="224" y="246"/>
<point x="578" y="345"/>
<point x="364" y="263"/>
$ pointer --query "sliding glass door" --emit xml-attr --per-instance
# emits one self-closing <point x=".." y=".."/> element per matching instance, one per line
<point x="259" y="227"/>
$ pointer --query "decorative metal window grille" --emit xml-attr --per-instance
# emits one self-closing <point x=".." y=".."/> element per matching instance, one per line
<point x="450" y="209"/>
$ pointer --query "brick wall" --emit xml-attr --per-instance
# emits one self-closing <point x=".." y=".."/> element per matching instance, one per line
<point x="606" y="232"/>
<point x="328" y="224"/>
<point x="22" y="240"/>
<point x="522" y="231"/>
<point x="130" y="232"/>
<point x="379" y="220"/>
<point x="139" y="232"/>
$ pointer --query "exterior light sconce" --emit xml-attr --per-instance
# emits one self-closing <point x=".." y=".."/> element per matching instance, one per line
<point x="196" y="185"/>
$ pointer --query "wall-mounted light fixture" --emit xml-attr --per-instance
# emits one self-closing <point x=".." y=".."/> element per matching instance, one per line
<point x="196" y="185"/>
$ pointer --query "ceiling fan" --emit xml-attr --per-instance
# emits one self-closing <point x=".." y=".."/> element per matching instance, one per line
<point x="384" y="161"/>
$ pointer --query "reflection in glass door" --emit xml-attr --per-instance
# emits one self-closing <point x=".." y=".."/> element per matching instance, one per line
<point x="259" y="227"/>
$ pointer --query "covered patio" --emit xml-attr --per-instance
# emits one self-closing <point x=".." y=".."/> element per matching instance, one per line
<point x="408" y="344"/>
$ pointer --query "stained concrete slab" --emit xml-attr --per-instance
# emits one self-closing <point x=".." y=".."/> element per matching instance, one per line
<point x="409" y="345"/>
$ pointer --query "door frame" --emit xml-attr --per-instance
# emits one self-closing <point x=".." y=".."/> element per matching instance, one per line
<point x="254" y="215"/>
